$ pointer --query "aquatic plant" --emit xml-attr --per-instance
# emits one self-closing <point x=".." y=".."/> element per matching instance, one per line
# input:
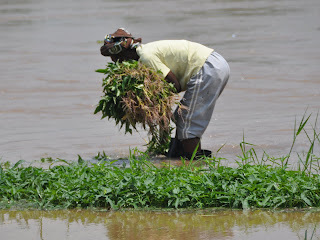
<point x="135" y="94"/>
<point x="265" y="182"/>
<point x="142" y="184"/>
<point x="306" y="234"/>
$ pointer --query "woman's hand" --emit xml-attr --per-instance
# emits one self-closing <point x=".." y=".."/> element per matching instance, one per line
<point x="171" y="78"/>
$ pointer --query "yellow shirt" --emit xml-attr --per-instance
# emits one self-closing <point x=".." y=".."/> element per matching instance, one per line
<point x="182" y="57"/>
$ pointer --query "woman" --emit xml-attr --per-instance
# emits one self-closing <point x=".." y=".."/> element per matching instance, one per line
<point x="191" y="67"/>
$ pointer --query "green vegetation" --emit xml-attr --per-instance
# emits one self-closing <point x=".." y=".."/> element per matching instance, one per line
<point x="135" y="94"/>
<point x="104" y="184"/>
<point x="312" y="235"/>
<point x="265" y="182"/>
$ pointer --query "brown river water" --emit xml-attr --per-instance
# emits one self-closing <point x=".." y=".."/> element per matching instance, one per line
<point x="49" y="89"/>
<point x="83" y="224"/>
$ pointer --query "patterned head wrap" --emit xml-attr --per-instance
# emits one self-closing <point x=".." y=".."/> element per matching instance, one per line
<point x="118" y="42"/>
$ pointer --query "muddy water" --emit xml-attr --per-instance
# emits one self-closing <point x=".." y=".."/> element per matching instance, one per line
<point x="158" y="225"/>
<point x="48" y="87"/>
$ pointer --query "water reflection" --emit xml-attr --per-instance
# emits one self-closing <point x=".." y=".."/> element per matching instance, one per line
<point x="213" y="224"/>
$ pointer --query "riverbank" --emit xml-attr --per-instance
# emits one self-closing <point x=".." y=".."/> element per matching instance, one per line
<point x="255" y="182"/>
<point x="195" y="184"/>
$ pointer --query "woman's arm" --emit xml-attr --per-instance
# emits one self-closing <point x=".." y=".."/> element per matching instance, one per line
<point x="171" y="78"/>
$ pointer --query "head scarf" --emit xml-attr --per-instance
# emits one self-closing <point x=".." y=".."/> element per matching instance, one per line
<point x="118" y="42"/>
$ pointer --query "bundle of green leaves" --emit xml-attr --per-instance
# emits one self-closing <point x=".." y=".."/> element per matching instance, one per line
<point x="135" y="94"/>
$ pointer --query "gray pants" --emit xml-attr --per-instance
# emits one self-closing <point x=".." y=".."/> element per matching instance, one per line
<point x="200" y="97"/>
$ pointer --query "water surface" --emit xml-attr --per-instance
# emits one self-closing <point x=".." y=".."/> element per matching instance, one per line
<point x="218" y="224"/>
<point x="48" y="87"/>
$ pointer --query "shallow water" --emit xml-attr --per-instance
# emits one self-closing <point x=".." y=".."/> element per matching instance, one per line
<point x="219" y="224"/>
<point x="48" y="87"/>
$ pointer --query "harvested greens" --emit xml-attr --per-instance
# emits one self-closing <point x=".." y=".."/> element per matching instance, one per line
<point x="135" y="94"/>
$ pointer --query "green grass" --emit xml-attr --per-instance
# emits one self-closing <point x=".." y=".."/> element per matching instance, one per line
<point x="256" y="182"/>
<point x="103" y="184"/>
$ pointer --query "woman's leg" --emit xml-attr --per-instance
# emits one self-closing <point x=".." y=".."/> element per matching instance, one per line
<point x="200" y="97"/>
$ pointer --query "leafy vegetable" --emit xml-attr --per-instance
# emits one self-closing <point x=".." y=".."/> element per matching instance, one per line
<point x="139" y="183"/>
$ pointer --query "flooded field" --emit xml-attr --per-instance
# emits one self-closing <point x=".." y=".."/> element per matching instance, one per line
<point x="218" y="224"/>
<point x="48" y="87"/>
